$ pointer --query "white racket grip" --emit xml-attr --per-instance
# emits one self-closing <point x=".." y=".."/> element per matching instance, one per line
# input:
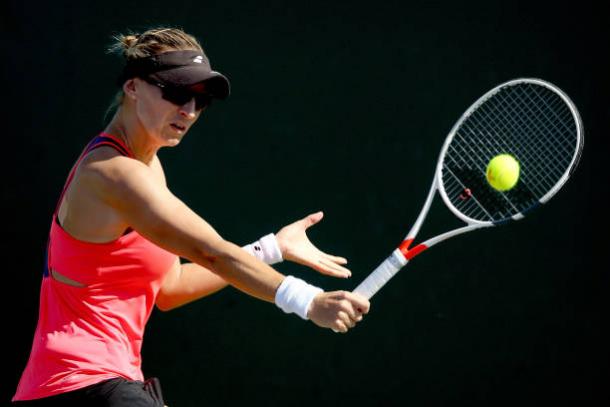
<point x="381" y="275"/>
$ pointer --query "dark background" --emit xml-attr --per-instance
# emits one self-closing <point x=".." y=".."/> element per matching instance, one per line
<point x="343" y="107"/>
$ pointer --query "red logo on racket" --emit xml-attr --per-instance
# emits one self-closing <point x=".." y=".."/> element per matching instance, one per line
<point x="466" y="194"/>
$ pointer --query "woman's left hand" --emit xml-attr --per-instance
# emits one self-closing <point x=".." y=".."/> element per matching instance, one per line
<point x="296" y="247"/>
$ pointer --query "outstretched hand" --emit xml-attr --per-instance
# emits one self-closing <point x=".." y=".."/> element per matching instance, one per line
<point x="296" y="247"/>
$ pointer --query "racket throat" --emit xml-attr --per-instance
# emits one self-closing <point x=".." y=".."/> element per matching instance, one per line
<point x="409" y="253"/>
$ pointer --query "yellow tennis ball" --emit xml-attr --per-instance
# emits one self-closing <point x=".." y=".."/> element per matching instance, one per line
<point x="503" y="172"/>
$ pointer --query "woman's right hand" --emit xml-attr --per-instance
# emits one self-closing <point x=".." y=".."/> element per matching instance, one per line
<point x="338" y="310"/>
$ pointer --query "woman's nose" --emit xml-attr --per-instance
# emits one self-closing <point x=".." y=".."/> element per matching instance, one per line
<point x="188" y="109"/>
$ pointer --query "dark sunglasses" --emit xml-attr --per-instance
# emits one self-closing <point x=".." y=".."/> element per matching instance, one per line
<point x="182" y="95"/>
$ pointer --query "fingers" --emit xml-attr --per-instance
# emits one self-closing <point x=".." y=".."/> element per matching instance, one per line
<point x="331" y="265"/>
<point x="352" y="307"/>
<point x="335" y="259"/>
<point x="348" y="319"/>
<point x="340" y="327"/>
<point x="337" y="310"/>
<point x="344" y="323"/>
<point x="360" y="303"/>
<point x="330" y="268"/>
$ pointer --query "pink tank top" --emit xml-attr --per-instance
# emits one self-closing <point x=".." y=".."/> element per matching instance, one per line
<point x="88" y="334"/>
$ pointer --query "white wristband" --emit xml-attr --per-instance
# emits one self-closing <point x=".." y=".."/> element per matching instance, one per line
<point x="295" y="295"/>
<point x="265" y="249"/>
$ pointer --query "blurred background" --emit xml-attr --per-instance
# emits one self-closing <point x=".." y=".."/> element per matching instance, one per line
<point x="341" y="107"/>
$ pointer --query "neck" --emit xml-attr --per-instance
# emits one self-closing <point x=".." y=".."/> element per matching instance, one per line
<point x="135" y="137"/>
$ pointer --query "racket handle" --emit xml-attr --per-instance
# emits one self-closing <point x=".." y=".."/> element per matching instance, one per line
<point x="382" y="274"/>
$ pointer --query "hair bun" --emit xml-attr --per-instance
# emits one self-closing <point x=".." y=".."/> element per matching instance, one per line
<point x="130" y="40"/>
<point x="153" y="41"/>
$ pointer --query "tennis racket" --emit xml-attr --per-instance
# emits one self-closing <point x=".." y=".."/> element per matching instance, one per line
<point x="530" y="119"/>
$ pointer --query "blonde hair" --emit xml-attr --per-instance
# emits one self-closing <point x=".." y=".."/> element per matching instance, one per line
<point x="153" y="41"/>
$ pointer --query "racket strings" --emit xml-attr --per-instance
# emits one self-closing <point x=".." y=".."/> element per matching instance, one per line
<point x="530" y="140"/>
<point x="549" y="142"/>
<point x="475" y="206"/>
<point x="523" y="126"/>
<point x="484" y="204"/>
<point x="527" y="120"/>
<point x="559" y="148"/>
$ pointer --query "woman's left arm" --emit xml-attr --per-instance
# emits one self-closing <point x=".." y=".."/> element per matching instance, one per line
<point x="188" y="282"/>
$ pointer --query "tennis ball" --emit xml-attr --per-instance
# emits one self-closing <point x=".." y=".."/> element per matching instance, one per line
<point x="503" y="172"/>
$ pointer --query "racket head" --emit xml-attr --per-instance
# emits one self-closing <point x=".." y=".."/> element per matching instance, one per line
<point x="530" y="119"/>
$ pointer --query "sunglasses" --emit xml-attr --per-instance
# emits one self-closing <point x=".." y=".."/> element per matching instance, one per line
<point x="180" y="96"/>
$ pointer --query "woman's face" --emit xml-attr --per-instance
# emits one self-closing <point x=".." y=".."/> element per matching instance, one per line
<point x="163" y="120"/>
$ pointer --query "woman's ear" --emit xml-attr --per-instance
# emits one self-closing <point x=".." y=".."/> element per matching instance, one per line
<point x="129" y="88"/>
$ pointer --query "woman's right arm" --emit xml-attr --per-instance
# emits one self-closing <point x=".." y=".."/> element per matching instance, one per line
<point x="129" y="187"/>
<point x="150" y="208"/>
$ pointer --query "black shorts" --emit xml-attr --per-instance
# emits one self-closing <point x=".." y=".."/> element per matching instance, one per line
<point x="117" y="392"/>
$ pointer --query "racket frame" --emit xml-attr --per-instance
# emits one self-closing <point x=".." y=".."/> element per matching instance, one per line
<point x="404" y="253"/>
<point x="472" y="108"/>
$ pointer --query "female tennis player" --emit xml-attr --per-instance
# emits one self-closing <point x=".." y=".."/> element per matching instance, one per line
<point x="118" y="233"/>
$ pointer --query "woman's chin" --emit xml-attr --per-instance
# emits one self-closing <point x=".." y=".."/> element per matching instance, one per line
<point x="173" y="139"/>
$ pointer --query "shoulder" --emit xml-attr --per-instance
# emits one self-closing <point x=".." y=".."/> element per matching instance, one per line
<point x="114" y="176"/>
<point x="106" y="162"/>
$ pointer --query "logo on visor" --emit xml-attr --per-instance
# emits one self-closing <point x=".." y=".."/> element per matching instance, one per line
<point x="198" y="59"/>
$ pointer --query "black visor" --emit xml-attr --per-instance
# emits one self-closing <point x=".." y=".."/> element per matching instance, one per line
<point x="179" y="69"/>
